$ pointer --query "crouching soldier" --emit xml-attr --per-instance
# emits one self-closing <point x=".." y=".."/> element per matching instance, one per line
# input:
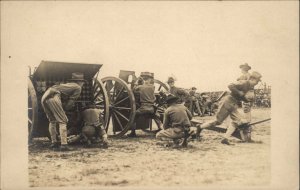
<point x="93" y="125"/>
<point x="176" y="121"/>
<point x="55" y="101"/>
<point x="239" y="92"/>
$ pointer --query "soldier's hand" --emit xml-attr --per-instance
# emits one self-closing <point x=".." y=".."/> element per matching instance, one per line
<point x="193" y="130"/>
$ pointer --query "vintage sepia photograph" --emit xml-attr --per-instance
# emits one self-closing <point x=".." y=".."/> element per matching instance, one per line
<point x="149" y="94"/>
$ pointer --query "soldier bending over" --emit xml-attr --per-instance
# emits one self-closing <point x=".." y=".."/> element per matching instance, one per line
<point x="57" y="99"/>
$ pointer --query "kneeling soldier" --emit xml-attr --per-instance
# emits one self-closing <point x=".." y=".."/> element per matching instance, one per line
<point x="93" y="125"/>
<point x="176" y="120"/>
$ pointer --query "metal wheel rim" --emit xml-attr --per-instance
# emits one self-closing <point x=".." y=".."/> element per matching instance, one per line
<point x="32" y="110"/>
<point x="102" y="102"/>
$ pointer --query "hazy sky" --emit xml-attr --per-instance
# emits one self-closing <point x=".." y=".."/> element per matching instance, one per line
<point x="201" y="43"/>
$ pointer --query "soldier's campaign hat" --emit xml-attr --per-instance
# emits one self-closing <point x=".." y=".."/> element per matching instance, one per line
<point x="245" y="66"/>
<point x="194" y="88"/>
<point x="170" y="79"/>
<point x="256" y="75"/>
<point x="77" y="77"/>
<point x="147" y="74"/>
<point x="171" y="98"/>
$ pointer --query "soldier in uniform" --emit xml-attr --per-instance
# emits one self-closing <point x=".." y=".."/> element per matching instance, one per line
<point x="146" y="96"/>
<point x="194" y="101"/>
<point x="246" y="105"/>
<point x="176" y="119"/>
<point x="245" y="72"/>
<point x="178" y="92"/>
<point x="230" y="104"/>
<point x="55" y="101"/>
<point x="93" y="125"/>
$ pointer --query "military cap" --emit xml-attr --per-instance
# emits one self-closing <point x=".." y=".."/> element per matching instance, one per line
<point x="245" y="66"/>
<point x="171" y="98"/>
<point x="170" y="79"/>
<point x="147" y="74"/>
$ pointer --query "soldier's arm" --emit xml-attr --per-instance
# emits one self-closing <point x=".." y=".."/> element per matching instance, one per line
<point x="235" y="88"/>
<point x="183" y="92"/>
<point x="49" y="93"/>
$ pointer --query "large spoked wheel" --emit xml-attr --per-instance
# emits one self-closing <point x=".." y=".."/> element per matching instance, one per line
<point x="100" y="98"/>
<point x="32" y="110"/>
<point x="121" y="106"/>
<point x="155" y="124"/>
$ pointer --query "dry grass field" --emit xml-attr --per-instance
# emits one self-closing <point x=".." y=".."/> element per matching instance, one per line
<point x="143" y="161"/>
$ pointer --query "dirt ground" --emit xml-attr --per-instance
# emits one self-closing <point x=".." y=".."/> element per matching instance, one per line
<point x="144" y="161"/>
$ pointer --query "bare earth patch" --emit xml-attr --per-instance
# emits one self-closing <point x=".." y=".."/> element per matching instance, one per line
<point x="144" y="161"/>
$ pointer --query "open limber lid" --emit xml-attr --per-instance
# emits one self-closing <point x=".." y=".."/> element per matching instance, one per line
<point x="64" y="70"/>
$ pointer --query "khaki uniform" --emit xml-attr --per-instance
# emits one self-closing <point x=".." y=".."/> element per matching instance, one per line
<point x="91" y="117"/>
<point x="194" y="101"/>
<point x="176" y="118"/>
<point x="180" y="93"/>
<point x="229" y="107"/>
<point x="246" y="105"/>
<point x="147" y="98"/>
<point x="55" y="105"/>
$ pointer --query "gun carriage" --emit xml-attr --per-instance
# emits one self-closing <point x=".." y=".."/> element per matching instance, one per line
<point x="123" y="103"/>
<point x="49" y="73"/>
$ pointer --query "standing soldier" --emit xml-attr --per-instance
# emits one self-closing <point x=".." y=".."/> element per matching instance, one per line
<point x="176" y="120"/>
<point x="239" y="92"/>
<point x="147" y="98"/>
<point x="178" y="92"/>
<point x="57" y="99"/>
<point x="194" y="101"/>
<point x="246" y="105"/>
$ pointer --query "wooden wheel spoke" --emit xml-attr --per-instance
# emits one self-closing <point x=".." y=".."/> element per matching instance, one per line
<point x="99" y="102"/>
<point x="150" y="124"/>
<point x="98" y="93"/>
<point x="122" y="115"/>
<point x="118" y="120"/>
<point x="114" y="93"/>
<point x="159" y="87"/>
<point x="122" y="108"/>
<point x="117" y="96"/>
<point x="95" y="87"/>
<point x="109" y="85"/>
<point x="109" y="116"/>
<point x="127" y="97"/>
